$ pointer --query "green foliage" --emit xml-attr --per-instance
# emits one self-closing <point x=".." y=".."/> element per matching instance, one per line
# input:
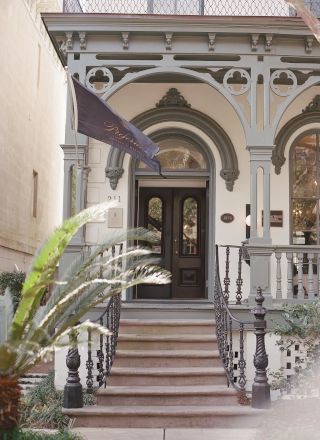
<point x="94" y="278"/>
<point x="19" y="434"/>
<point x="301" y="320"/>
<point x="14" y="282"/>
<point x="42" y="406"/>
<point x="278" y="380"/>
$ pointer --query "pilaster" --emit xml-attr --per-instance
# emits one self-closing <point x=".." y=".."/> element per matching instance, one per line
<point x="260" y="253"/>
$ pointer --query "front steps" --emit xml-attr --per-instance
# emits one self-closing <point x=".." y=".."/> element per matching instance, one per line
<point x="30" y="380"/>
<point x="167" y="374"/>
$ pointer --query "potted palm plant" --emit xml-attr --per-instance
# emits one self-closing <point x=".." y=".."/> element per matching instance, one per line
<point x="35" y="331"/>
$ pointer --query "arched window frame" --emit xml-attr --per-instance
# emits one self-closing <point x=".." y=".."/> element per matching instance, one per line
<point x="295" y="143"/>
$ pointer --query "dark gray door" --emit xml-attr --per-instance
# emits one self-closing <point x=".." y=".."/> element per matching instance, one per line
<point x="177" y="217"/>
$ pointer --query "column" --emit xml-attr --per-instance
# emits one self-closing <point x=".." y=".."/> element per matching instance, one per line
<point x="260" y="248"/>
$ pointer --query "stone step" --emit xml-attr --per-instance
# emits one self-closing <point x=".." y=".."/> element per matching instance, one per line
<point x="162" y="395"/>
<point x="187" y="416"/>
<point x="172" y="341"/>
<point x="30" y="380"/>
<point x="167" y="326"/>
<point x="121" y="376"/>
<point x="168" y="309"/>
<point x="167" y="358"/>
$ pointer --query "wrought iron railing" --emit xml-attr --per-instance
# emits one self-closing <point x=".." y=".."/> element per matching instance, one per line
<point x="101" y="352"/>
<point x="106" y="351"/>
<point x="226" y="325"/>
<point x="187" y="7"/>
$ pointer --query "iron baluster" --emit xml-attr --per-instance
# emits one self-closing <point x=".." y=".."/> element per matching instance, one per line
<point x="226" y="280"/>
<point x="89" y="365"/>
<point x="226" y="345"/>
<point x="100" y="357"/>
<point x="242" y="363"/>
<point x="239" y="281"/>
<point x="231" y="371"/>
<point x="107" y="345"/>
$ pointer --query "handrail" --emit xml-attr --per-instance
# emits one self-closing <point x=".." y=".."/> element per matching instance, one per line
<point x="110" y="318"/>
<point x="224" y="328"/>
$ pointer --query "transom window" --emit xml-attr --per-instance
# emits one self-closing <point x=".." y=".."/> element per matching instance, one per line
<point x="305" y="189"/>
<point x="178" y="154"/>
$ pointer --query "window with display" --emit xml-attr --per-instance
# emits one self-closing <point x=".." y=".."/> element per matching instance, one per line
<point x="305" y="185"/>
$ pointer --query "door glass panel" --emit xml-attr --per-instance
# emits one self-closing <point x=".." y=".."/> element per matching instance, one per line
<point x="190" y="242"/>
<point x="155" y="222"/>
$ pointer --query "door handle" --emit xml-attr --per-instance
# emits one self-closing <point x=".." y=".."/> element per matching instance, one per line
<point x="175" y="240"/>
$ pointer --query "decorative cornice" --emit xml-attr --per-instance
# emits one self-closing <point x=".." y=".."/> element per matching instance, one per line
<point x="313" y="106"/>
<point x="173" y="98"/>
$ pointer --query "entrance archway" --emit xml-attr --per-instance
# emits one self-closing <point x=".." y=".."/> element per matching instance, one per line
<point x="195" y="122"/>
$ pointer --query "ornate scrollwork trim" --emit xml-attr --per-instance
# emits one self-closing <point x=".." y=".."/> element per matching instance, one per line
<point x="313" y="106"/>
<point x="173" y="98"/>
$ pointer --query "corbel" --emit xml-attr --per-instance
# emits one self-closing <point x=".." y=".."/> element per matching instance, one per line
<point x="308" y="44"/>
<point x="69" y="40"/>
<point x="254" y="42"/>
<point x="125" y="40"/>
<point x="268" y="42"/>
<point x="212" y="41"/>
<point x="168" y="37"/>
<point x="83" y="40"/>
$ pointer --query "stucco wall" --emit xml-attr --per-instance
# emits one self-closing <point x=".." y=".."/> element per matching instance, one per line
<point x="32" y="118"/>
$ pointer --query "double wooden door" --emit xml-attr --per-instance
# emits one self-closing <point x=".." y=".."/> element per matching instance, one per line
<point x="177" y="217"/>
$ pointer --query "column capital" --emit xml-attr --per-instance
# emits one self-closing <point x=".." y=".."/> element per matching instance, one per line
<point x="260" y="153"/>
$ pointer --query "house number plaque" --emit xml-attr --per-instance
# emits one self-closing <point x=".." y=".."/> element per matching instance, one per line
<point x="227" y="217"/>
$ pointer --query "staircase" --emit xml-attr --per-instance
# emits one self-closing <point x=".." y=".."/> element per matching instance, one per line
<point x="167" y="373"/>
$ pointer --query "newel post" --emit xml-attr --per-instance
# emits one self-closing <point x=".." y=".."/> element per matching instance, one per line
<point x="73" y="397"/>
<point x="260" y="388"/>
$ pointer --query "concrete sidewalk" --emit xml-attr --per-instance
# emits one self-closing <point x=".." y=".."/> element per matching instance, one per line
<point x="165" y="434"/>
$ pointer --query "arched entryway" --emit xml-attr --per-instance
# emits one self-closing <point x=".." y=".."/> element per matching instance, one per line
<point x="176" y="210"/>
<point x="192" y="128"/>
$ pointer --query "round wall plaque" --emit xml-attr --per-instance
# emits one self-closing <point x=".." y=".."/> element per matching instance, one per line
<point x="227" y="217"/>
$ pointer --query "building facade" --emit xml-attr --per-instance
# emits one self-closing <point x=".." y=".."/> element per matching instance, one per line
<point x="33" y="100"/>
<point x="231" y="95"/>
<point x="233" y="105"/>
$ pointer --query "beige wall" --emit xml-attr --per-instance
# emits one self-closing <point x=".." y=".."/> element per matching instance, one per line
<point x="32" y="117"/>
